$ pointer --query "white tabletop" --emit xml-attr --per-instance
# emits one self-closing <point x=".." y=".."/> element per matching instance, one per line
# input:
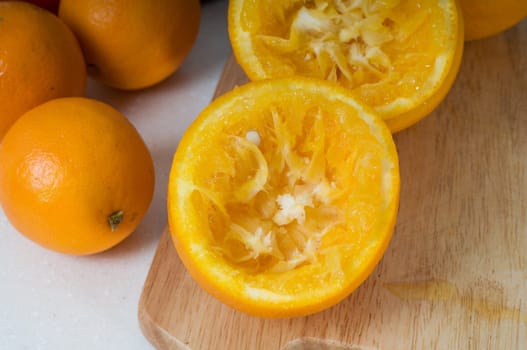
<point x="54" y="301"/>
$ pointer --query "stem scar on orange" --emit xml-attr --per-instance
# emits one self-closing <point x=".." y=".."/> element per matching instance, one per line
<point x="283" y="195"/>
<point x="400" y="57"/>
<point x="75" y="176"/>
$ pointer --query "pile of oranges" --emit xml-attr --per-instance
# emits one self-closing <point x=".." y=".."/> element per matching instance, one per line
<point x="75" y="175"/>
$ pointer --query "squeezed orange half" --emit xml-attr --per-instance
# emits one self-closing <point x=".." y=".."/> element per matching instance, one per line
<point x="283" y="195"/>
<point x="400" y="57"/>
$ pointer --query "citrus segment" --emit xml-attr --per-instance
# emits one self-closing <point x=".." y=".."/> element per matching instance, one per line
<point x="282" y="196"/>
<point x="395" y="54"/>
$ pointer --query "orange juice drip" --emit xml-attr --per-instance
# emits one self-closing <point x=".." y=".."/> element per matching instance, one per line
<point x="441" y="290"/>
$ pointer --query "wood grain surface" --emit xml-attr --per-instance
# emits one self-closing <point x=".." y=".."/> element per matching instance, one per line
<point x="455" y="273"/>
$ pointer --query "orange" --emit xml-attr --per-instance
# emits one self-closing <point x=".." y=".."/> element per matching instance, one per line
<point x="484" y="18"/>
<point x="75" y="176"/>
<point x="282" y="196"/>
<point x="133" y="44"/>
<point x="40" y="59"/>
<point x="398" y="56"/>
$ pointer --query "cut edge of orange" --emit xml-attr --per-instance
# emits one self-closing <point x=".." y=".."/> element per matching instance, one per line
<point x="409" y="118"/>
<point x="202" y="266"/>
<point x="398" y="122"/>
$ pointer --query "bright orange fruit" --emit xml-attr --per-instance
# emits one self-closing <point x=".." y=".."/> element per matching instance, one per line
<point x="283" y="195"/>
<point x="133" y="44"/>
<point x="484" y="18"/>
<point x="75" y="176"/>
<point x="398" y="56"/>
<point x="40" y="60"/>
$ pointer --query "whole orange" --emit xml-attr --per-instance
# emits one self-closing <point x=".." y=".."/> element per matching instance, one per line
<point x="75" y="176"/>
<point x="484" y="18"/>
<point x="132" y="44"/>
<point x="40" y="59"/>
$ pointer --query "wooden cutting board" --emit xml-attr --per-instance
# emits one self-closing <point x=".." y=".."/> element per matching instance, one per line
<point x="455" y="273"/>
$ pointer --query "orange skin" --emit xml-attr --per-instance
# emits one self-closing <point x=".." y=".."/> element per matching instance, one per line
<point x="40" y="60"/>
<point x="133" y="44"/>
<point x="66" y="167"/>
<point x="484" y="18"/>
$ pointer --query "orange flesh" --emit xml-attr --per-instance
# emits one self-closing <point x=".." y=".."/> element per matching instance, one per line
<point x="393" y="54"/>
<point x="291" y="199"/>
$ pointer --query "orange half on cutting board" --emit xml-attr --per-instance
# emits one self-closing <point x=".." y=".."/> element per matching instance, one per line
<point x="400" y="57"/>
<point x="283" y="195"/>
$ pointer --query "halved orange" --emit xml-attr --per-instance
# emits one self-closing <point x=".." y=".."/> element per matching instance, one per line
<point x="398" y="56"/>
<point x="283" y="195"/>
